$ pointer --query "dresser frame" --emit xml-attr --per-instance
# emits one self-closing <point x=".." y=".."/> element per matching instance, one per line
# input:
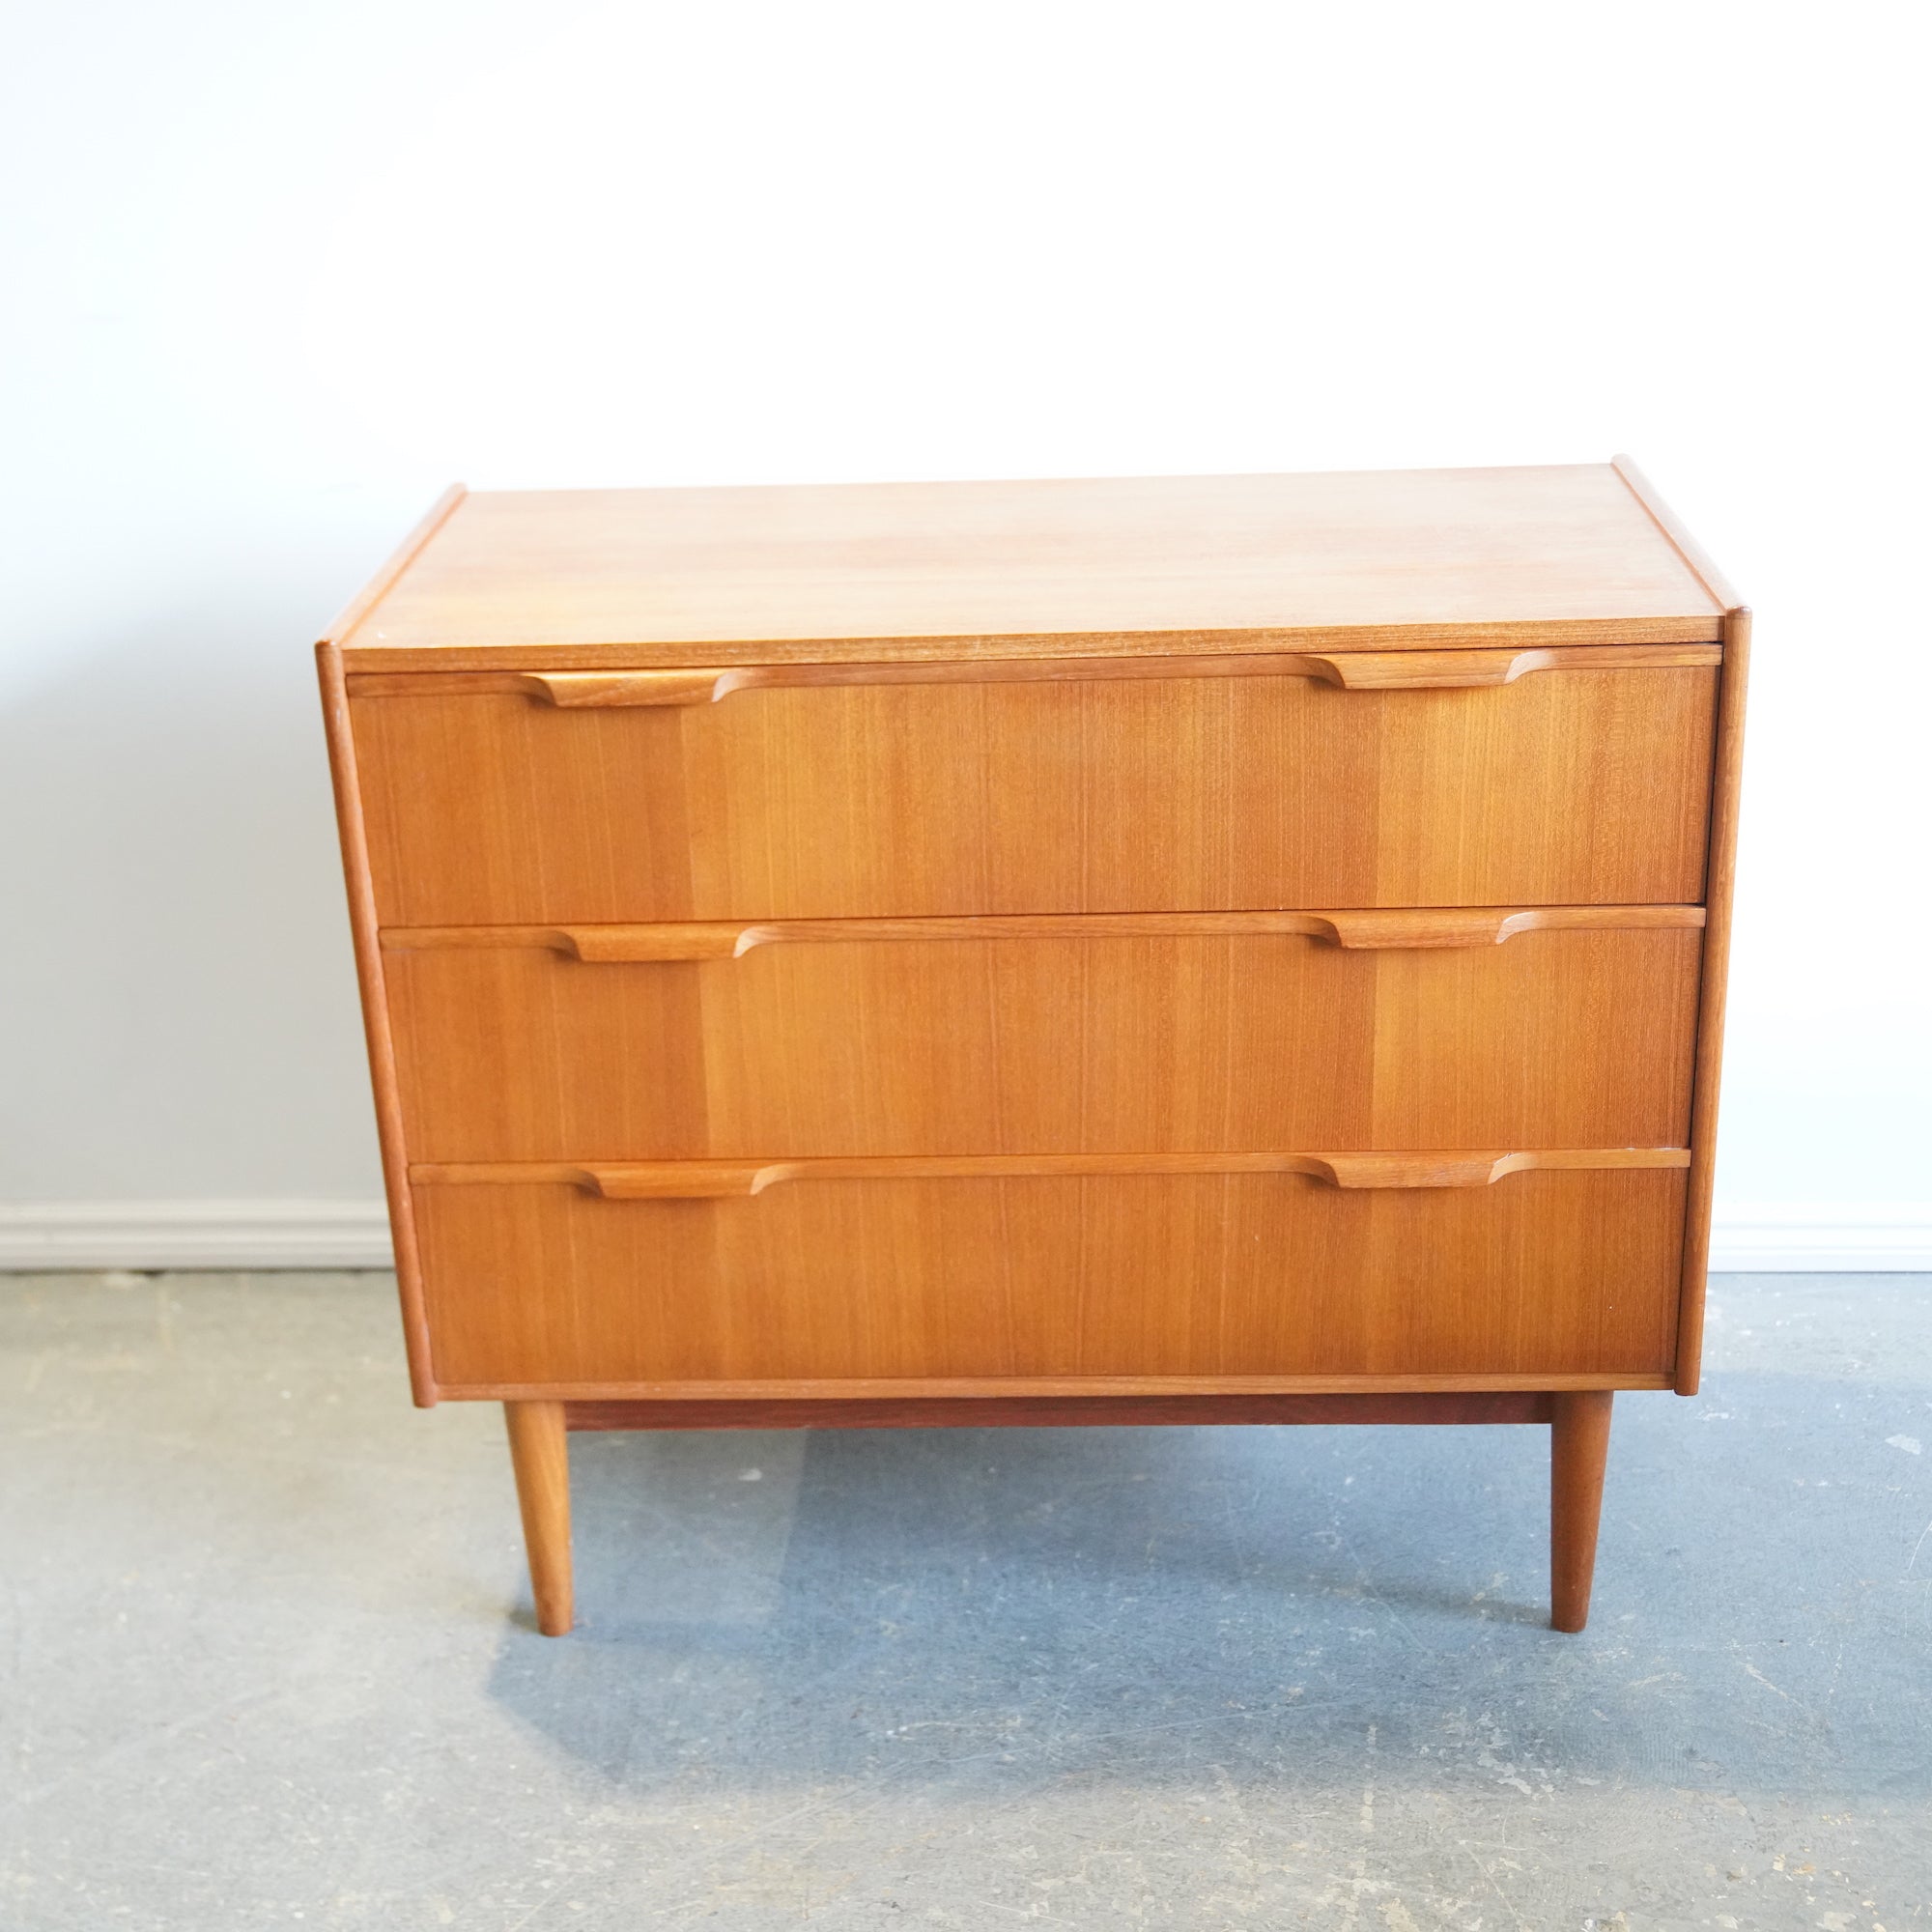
<point x="1577" y="1409"/>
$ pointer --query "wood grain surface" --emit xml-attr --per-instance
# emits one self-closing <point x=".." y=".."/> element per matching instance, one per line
<point x="1579" y="1445"/>
<point x="1062" y="1044"/>
<point x="716" y="1180"/>
<point x="1114" y="795"/>
<point x="1347" y="670"/>
<point x="1696" y="558"/>
<point x="1065" y="1411"/>
<point x="1388" y="929"/>
<point x="393" y="567"/>
<point x="540" y="1456"/>
<point x="1721" y="880"/>
<point x="1031" y="1388"/>
<point x="1138" y="1276"/>
<point x="377" y="1035"/>
<point x="1392" y="559"/>
<point x="1726" y="781"/>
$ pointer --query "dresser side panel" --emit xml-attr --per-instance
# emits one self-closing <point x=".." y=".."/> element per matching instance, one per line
<point x="362" y="921"/>
<point x="1720" y="881"/>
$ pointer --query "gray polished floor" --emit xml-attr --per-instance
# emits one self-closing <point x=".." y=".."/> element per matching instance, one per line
<point x="265" y="1657"/>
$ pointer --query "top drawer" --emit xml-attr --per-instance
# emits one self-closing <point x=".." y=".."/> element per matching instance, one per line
<point x="1046" y="787"/>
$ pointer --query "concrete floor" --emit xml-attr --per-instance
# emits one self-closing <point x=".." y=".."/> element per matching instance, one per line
<point x="266" y="1659"/>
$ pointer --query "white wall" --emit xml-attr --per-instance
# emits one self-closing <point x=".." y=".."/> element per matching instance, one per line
<point x="275" y="274"/>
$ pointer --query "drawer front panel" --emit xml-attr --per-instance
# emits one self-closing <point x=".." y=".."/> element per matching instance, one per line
<point x="1117" y="794"/>
<point x="1121" y="1276"/>
<point x="1045" y="1044"/>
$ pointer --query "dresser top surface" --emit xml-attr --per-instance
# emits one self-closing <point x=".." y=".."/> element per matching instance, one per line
<point x="1381" y="558"/>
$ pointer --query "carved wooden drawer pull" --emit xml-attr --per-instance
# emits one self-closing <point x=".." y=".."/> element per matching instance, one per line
<point x="1416" y="929"/>
<point x="713" y="1180"/>
<point x="1347" y="670"/>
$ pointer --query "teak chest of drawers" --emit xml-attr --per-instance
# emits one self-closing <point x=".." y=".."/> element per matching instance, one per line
<point x="1207" y="950"/>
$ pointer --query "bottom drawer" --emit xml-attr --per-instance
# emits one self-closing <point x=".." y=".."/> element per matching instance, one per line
<point x="1058" y="1278"/>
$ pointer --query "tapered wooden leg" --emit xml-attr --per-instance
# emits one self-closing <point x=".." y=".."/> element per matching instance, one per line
<point x="540" y="1455"/>
<point x="1579" y="1444"/>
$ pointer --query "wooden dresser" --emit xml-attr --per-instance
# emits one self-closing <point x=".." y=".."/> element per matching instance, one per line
<point x="1199" y="949"/>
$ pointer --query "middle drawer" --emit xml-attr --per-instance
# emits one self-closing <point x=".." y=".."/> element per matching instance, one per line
<point x="1076" y="1035"/>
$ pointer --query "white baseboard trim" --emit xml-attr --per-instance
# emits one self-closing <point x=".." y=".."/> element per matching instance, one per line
<point x="145" y="1235"/>
<point x="1815" y="1239"/>
<point x="1822" y="1237"/>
